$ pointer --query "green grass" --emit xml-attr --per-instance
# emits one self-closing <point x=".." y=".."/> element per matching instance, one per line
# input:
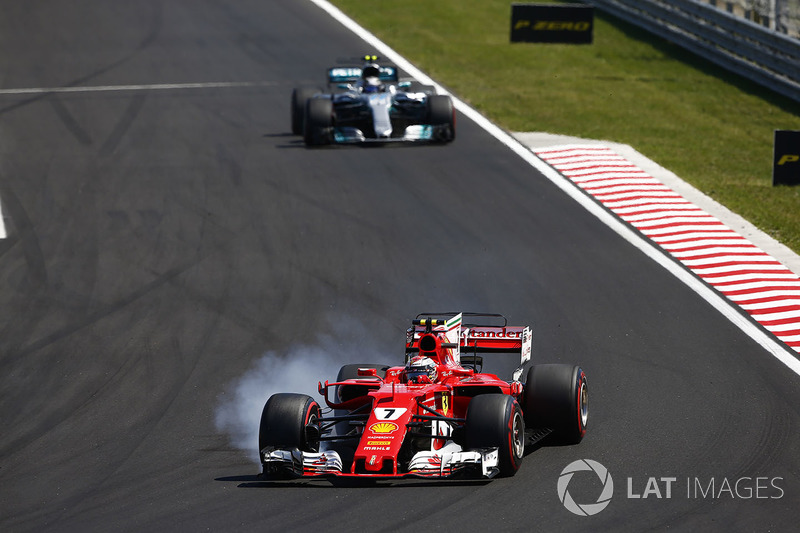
<point x="712" y="128"/>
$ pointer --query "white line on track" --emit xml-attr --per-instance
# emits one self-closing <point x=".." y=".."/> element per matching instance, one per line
<point x="625" y="231"/>
<point x="143" y="87"/>
<point x="3" y="234"/>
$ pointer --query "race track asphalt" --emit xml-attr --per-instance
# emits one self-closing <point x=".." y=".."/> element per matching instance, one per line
<point x="171" y="247"/>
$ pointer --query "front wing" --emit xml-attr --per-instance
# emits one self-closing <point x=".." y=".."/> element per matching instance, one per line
<point x="296" y="463"/>
<point x="413" y="133"/>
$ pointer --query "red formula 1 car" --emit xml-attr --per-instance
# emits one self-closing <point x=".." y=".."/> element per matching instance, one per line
<point x="436" y="416"/>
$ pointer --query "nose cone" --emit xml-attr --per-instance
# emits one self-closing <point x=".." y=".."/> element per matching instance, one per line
<point x="381" y="121"/>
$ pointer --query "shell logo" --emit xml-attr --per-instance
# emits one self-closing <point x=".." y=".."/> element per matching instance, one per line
<point x="383" y="427"/>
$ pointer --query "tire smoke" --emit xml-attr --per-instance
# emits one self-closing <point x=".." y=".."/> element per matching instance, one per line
<point x="298" y="370"/>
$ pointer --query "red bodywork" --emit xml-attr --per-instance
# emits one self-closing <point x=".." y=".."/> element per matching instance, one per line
<point x="401" y="411"/>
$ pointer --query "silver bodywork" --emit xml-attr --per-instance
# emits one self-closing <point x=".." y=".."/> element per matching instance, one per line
<point x="380" y="105"/>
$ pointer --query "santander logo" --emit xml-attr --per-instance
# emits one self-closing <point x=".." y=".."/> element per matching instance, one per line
<point x="495" y="333"/>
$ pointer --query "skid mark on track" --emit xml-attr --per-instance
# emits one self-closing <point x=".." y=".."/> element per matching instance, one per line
<point x="750" y="278"/>
<point x="71" y="123"/>
<point x="153" y="30"/>
<point x="114" y="137"/>
<point x="103" y="312"/>
<point x="124" y="124"/>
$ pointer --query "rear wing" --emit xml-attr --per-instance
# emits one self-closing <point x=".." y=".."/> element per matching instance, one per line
<point x="486" y="339"/>
<point x="350" y="74"/>
<point x="468" y="339"/>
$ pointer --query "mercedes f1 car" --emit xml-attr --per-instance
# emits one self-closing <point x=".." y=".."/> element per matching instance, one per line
<point x="369" y="104"/>
<point x="437" y="416"/>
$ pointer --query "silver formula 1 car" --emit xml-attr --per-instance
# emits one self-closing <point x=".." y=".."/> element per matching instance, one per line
<point x="369" y="104"/>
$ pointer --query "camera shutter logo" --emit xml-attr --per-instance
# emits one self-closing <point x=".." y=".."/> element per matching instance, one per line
<point x="585" y="509"/>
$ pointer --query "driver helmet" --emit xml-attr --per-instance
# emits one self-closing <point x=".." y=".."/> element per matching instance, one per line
<point x="371" y="77"/>
<point x="420" y="367"/>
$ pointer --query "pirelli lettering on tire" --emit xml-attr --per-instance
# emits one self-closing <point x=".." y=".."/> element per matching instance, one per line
<point x="545" y="23"/>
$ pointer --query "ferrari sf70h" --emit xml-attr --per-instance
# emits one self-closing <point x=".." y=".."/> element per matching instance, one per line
<point x="436" y="416"/>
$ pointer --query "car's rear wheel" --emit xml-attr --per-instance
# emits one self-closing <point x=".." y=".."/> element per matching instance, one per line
<point x="442" y="116"/>
<point x="290" y="421"/>
<point x="318" y="128"/>
<point x="556" y="397"/>
<point x="300" y="97"/>
<point x="496" y="421"/>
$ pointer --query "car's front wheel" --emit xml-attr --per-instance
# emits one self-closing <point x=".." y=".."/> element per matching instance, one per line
<point x="496" y="421"/>
<point x="300" y="97"/>
<point x="318" y="127"/>
<point x="290" y="421"/>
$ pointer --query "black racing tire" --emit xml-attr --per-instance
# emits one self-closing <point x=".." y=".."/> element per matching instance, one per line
<point x="300" y="97"/>
<point x="556" y="397"/>
<point x="496" y="421"/>
<point x="319" y="122"/>
<point x="442" y="115"/>
<point x="284" y="420"/>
